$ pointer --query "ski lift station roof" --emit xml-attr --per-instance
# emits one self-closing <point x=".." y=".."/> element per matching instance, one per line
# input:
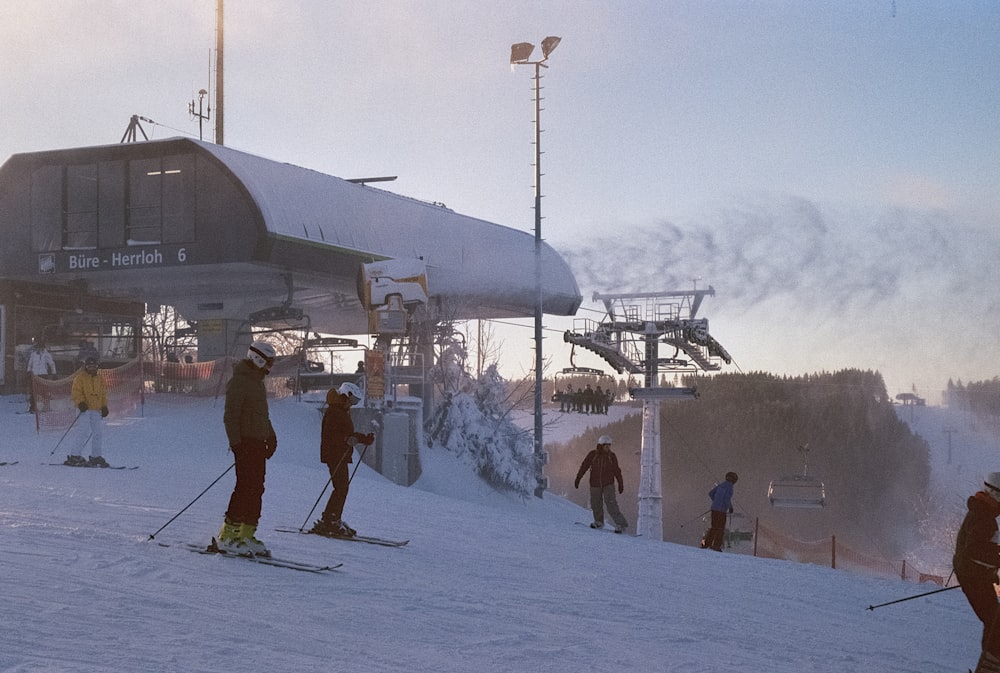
<point x="221" y="234"/>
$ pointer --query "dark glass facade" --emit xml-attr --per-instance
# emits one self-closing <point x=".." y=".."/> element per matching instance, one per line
<point x="116" y="203"/>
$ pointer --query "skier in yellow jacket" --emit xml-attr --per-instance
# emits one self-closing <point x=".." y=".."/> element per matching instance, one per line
<point x="91" y="397"/>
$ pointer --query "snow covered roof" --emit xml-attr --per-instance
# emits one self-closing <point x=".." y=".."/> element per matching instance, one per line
<point x="482" y="265"/>
<point x="247" y="233"/>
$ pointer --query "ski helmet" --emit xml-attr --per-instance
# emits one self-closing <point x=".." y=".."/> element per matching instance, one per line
<point x="732" y="476"/>
<point x="91" y="360"/>
<point x="351" y="390"/>
<point x="261" y="354"/>
<point x="992" y="483"/>
<point x="604" y="439"/>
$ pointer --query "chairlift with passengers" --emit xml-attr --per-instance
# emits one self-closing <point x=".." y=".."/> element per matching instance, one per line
<point x="799" y="491"/>
<point x="573" y="374"/>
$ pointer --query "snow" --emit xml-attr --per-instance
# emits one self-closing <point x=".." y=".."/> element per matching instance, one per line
<point x="487" y="584"/>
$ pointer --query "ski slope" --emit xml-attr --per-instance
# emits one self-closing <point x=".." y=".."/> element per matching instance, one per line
<point x="487" y="584"/>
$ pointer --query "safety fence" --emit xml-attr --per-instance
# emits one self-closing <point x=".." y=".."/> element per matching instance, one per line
<point x="129" y="384"/>
<point x="769" y="543"/>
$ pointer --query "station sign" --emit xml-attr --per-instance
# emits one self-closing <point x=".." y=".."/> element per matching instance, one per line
<point x="117" y="259"/>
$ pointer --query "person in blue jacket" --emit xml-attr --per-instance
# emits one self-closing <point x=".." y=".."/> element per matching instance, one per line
<point x="722" y="506"/>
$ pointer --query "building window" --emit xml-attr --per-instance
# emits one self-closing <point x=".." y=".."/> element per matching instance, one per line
<point x="160" y="201"/>
<point x="113" y="204"/>
<point x="80" y="227"/>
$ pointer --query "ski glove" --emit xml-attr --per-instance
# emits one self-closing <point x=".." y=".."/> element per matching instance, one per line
<point x="621" y="488"/>
<point x="369" y="439"/>
<point x="82" y="407"/>
<point x="576" y="483"/>
<point x="104" y="412"/>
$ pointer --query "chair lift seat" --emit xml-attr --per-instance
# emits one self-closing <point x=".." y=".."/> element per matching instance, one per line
<point x="797" y="491"/>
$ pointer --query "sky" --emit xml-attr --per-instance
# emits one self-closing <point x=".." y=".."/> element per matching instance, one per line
<point x="486" y="583"/>
<point x="829" y="168"/>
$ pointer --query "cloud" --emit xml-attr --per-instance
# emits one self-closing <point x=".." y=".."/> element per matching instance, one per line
<point x="895" y="289"/>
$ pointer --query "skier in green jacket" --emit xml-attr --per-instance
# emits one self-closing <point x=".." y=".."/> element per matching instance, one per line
<point x="253" y="442"/>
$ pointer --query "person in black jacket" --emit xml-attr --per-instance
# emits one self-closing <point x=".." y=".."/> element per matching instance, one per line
<point x="604" y="472"/>
<point x="976" y="560"/>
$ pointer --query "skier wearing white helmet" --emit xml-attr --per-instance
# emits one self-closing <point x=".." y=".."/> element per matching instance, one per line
<point x="252" y="441"/>
<point x="976" y="562"/>
<point x="337" y="440"/>
<point x="604" y="471"/>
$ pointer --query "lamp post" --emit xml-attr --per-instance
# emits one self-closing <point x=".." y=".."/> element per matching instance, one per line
<point x="520" y="54"/>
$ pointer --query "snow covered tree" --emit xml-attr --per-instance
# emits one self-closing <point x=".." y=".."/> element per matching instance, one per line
<point x="474" y="423"/>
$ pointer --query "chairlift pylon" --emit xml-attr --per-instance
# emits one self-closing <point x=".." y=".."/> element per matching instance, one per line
<point x="799" y="491"/>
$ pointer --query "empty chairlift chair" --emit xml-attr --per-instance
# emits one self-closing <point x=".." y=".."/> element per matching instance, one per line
<point x="799" y="491"/>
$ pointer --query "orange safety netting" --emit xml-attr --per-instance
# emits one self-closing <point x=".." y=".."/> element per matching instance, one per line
<point x="129" y="384"/>
<point x="54" y="405"/>
<point x="770" y="543"/>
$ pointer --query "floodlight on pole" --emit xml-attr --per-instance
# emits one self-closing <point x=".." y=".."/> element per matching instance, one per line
<point x="520" y="53"/>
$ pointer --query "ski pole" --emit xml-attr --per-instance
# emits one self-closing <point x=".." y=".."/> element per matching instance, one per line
<point x="75" y="419"/>
<point x="695" y="518"/>
<point x="330" y="480"/>
<point x="375" y="426"/>
<point x="360" y="458"/>
<point x="910" y="598"/>
<point x="325" y="486"/>
<point x="193" y="501"/>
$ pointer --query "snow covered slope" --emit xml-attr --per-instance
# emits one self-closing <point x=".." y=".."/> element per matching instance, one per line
<point x="488" y="583"/>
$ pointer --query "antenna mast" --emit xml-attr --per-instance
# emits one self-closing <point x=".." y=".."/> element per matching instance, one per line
<point x="218" y="74"/>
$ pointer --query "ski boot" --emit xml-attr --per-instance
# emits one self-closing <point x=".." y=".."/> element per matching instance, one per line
<point x="97" y="461"/>
<point x="331" y="527"/>
<point x="250" y="543"/>
<point x="323" y="526"/>
<point x="75" y="461"/>
<point x="343" y="530"/>
<point x="229" y="539"/>
<point x="597" y="524"/>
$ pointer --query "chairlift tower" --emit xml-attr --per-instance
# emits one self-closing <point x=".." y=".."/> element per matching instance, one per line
<point x="628" y="338"/>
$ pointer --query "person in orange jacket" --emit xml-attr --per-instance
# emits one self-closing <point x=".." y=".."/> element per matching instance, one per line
<point x="336" y="449"/>
<point x="976" y="561"/>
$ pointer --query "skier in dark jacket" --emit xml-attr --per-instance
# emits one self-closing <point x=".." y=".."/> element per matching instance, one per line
<point x="253" y="442"/>
<point x="722" y="506"/>
<point x="336" y="449"/>
<point x="604" y="472"/>
<point x="976" y="560"/>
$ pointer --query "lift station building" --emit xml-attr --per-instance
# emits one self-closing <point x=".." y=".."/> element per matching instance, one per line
<point x="93" y="237"/>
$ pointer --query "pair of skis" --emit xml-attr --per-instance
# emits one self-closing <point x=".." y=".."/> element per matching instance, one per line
<point x="288" y="563"/>
<point x="266" y="560"/>
<point x="99" y="467"/>
<point x="383" y="542"/>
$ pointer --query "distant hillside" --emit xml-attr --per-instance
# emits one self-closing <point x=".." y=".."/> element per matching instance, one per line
<point x="874" y="468"/>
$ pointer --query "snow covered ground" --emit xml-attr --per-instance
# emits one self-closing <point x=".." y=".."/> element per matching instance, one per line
<point x="487" y="583"/>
